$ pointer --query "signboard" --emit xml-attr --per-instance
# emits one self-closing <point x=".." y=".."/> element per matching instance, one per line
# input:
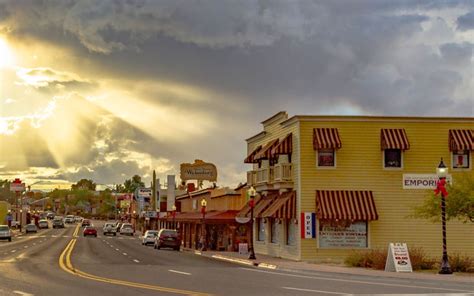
<point x="351" y="235"/>
<point x="125" y="204"/>
<point x="151" y="214"/>
<point x="308" y="227"/>
<point x="144" y="193"/>
<point x="199" y="170"/>
<point x="17" y="187"/>
<point x="398" y="258"/>
<point x="422" y="181"/>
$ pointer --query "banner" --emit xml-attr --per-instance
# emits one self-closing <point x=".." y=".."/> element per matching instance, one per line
<point x="308" y="225"/>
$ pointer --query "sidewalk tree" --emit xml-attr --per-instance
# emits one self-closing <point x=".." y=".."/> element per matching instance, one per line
<point x="84" y="184"/>
<point x="130" y="185"/>
<point x="459" y="202"/>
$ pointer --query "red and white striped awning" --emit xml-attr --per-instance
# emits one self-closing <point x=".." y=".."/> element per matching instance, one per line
<point x="284" y="147"/>
<point x="265" y="153"/>
<point x="251" y="157"/>
<point x="345" y="205"/>
<point x="461" y="140"/>
<point x="326" y="138"/>
<point x="283" y="207"/>
<point x="394" y="139"/>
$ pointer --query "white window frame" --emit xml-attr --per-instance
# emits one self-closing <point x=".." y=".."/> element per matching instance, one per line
<point x="274" y="235"/>
<point x="469" y="155"/>
<point x="326" y="167"/>
<point x="393" y="168"/>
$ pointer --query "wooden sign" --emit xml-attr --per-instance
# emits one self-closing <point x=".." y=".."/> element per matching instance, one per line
<point x="199" y="170"/>
<point x="398" y="259"/>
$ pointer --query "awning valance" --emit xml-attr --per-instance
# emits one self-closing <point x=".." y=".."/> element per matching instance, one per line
<point x="251" y="157"/>
<point x="261" y="204"/>
<point x="345" y="205"/>
<point x="283" y="207"/>
<point x="284" y="147"/>
<point x="326" y="138"/>
<point x="394" y="139"/>
<point x="461" y="140"/>
<point x="196" y="217"/>
<point x="265" y="152"/>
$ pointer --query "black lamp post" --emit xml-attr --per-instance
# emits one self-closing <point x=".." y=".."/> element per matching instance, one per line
<point x="203" y="230"/>
<point x="442" y="172"/>
<point x="252" y="194"/>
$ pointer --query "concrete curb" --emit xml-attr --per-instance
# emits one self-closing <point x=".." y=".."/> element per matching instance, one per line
<point x="237" y="260"/>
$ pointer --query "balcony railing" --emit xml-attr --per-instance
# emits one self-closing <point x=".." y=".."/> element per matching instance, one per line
<point x="283" y="172"/>
<point x="251" y="178"/>
<point x="280" y="173"/>
<point x="265" y="175"/>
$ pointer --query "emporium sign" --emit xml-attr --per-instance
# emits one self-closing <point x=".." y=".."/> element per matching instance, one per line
<point x="422" y="181"/>
<point x="199" y="170"/>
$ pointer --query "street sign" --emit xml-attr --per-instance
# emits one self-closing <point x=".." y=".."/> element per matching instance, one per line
<point x="17" y="186"/>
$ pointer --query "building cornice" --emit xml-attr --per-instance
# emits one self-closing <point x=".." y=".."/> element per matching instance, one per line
<point x="280" y="115"/>
<point x="256" y="137"/>
<point x="362" y="118"/>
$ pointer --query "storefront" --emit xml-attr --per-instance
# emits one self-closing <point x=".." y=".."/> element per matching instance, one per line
<point x="356" y="181"/>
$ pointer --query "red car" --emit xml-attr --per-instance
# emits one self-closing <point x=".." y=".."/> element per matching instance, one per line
<point x="88" y="230"/>
<point x="167" y="238"/>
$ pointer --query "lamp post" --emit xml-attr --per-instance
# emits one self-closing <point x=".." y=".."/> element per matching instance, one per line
<point x="252" y="192"/>
<point x="173" y="213"/>
<point x="442" y="172"/>
<point x="203" y="230"/>
<point x="21" y="216"/>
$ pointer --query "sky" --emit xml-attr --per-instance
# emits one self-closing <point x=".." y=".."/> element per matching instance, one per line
<point x="108" y="89"/>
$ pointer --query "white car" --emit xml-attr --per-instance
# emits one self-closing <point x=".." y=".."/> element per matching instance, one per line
<point x="126" y="228"/>
<point x="43" y="224"/>
<point x="149" y="237"/>
<point x="5" y="233"/>
<point x="69" y="219"/>
<point x="109" y="228"/>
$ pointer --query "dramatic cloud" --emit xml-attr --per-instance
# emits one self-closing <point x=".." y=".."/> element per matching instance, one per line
<point x="466" y="21"/>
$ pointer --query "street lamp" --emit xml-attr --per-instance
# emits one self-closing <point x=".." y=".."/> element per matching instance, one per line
<point x="442" y="172"/>
<point x="21" y="216"/>
<point x="203" y="230"/>
<point x="252" y="192"/>
<point x="173" y="209"/>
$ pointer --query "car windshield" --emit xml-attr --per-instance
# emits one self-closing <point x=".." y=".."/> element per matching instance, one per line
<point x="3" y="228"/>
<point x="169" y="233"/>
<point x="127" y="226"/>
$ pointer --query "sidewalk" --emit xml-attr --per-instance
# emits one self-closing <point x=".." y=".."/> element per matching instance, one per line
<point x="273" y="263"/>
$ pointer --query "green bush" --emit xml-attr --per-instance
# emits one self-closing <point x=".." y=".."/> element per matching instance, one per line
<point x="419" y="259"/>
<point x="460" y="263"/>
<point x="369" y="259"/>
<point x="355" y="259"/>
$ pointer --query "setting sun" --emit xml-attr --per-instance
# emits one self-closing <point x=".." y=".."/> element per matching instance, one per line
<point x="6" y="55"/>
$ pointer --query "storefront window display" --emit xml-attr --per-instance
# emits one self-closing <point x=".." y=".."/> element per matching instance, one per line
<point x="291" y="230"/>
<point x="275" y="230"/>
<point x="261" y="229"/>
<point x="342" y="234"/>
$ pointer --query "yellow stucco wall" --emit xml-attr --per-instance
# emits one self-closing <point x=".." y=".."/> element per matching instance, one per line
<point x="359" y="167"/>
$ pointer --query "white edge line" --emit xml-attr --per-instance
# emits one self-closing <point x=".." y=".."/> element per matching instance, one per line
<point x="135" y="260"/>
<point x="315" y="291"/>
<point x="180" y="272"/>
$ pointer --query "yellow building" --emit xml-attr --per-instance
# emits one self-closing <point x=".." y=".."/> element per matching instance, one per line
<point x="354" y="181"/>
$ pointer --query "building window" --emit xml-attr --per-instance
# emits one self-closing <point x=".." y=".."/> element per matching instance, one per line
<point x="461" y="159"/>
<point x="392" y="158"/>
<point x="275" y="230"/>
<point x="342" y="234"/>
<point x="261" y="229"/>
<point x="326" y="158"/>
<point x="291" y="230"/>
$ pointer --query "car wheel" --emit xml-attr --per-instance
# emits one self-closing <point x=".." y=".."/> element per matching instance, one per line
<point x="95" y="235"/>
<point x="9" y="239"/>
<point x="176" y="249"/>
<point x="115" y="234"/>
<point x="154" y="246"/>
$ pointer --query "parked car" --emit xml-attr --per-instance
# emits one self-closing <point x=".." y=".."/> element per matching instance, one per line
<point x="43" y="224"/>
<point x="58" y="223"/>
<point x="14" y="224"/>
<point x="69" y="219"/>
<point x="127" y="228"/>
<point x="50" y="216"/>
<point x="89" y="230"/>
<point x="31" y="228"/>
<point x="149" y="237"/>
<point x="5" y="233"/>
<point x="167" y="238"/>
<point x="86" y="222"/>
<point x="109" y="228"/>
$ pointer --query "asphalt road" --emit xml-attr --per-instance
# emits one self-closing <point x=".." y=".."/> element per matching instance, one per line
<point x="55" y="262"/>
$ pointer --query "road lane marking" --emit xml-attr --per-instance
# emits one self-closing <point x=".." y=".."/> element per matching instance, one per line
<point x="125" y="254"/>
<point x="350" y="281"/>
<point x="135" y="260"/>
<point x="66" y="265"/>
<point x="314" y="291"/>
<point x="23" y="293"/>
<point x="117" y="250"/>
<point x="25" y="247"/>
<point x="180" y="272"/>
<point x="13" y="251"/>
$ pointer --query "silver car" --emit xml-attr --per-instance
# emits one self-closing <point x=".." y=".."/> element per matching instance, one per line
<point x="5" y="232"/>
<point x="31" y="228"/>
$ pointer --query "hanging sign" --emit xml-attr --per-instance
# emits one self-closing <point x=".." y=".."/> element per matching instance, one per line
<point x="398" y="259"/>
<point x="308" y="225"/>
<point x="199" y="170"/>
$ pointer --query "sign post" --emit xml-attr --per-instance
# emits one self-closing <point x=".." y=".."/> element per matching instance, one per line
<point x="398" y="259"/>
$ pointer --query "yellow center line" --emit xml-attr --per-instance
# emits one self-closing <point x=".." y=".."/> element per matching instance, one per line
<point x="66" y="265"/>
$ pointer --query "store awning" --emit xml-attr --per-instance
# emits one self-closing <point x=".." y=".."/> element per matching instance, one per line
<point x="265" y="153"/>
<point x="196" y="217"/>
<point x="285" y="146"/>
<point x="326" y="138"/>
<point x="245" y="211"/>
<point x="283" y="207"/>
<point x="251" y="157"/>
<point x="461" y="140"/>
<point x="262" y="205"/>
<point x="395" y="138"/>
<point x="345" y="205"/>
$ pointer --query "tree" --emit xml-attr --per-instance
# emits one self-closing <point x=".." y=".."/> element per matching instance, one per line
<point x="459" y="202"/>
<point x="84" y="184"/>
<point x="130" y="185"/>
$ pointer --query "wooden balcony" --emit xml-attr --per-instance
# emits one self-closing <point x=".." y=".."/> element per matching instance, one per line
<point x="278" y="177"/>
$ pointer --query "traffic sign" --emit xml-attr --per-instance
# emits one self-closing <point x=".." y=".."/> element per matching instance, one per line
<point x="17" y="185"/>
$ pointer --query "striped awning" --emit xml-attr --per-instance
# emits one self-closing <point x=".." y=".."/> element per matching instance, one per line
<point x="394" y="138"/>
<point x="262" y="205"/>
<point x="283" y="207"/>
<point x="326" y="138"/>
<point x="345" y="205"/>
<point x="251" y="157"/>
<point x="265" y="152"/>
<point x="284" y="147"/>
<point x="245" y="211"/>
<point x="461" y="140"/>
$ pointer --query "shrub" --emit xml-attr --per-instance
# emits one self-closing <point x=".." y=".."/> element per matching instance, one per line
<point x="419" y="259"/>
<point x="461" y="263"/>
<point x="369" y="259"/>
<point x="355" y="259"/>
